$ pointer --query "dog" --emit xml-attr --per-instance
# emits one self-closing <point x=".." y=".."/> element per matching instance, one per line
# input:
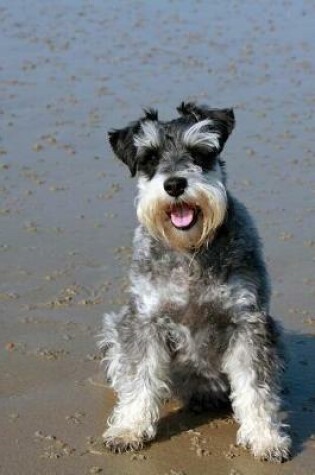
<point x="197" y="324"/>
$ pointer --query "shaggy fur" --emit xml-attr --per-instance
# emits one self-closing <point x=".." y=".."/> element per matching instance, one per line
<point x="197" y="324"/>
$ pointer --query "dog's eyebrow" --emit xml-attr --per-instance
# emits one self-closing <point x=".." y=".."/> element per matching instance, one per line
<point x="194" y="137"/>
<point x="148" y="137"/>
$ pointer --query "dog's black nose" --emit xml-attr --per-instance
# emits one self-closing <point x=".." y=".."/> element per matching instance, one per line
<point x="175" y="185"/>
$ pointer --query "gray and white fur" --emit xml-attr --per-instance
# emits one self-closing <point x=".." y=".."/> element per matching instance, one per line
<point x="197" y="324"/>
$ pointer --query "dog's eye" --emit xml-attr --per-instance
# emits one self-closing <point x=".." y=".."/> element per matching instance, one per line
<point x="148" y="163"/>
<point x="203" y="157"/>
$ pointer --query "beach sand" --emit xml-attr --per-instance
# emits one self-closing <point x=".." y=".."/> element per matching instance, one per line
<point x="70" y="70"/>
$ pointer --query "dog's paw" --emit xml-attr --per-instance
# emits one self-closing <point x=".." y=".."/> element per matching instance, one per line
<point x="277" y="450"/>
<point x="122" y="440"/>
<point x="273" y="446"/>
<point x="276" y="455"/>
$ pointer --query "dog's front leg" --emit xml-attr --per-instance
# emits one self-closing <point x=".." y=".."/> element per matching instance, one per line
<point x="251" y="363"/>
<point x="137" y="363"/>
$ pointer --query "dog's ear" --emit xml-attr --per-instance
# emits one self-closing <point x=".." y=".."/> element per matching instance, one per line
<point x="122" y="140"/>
<point x="122" y="143"/>
<point x="223" y="120"/>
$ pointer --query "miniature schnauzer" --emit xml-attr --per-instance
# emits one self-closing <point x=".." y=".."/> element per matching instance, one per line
<point x="197" y="324"/>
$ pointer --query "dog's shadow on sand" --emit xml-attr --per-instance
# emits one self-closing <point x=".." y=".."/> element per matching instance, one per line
<point x="183" y="420"/>
<point x="299" y="387"/>
<point x="298" y="397"/>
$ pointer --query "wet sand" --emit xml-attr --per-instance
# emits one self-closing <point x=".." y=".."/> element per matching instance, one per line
<point x="70" y="70"/>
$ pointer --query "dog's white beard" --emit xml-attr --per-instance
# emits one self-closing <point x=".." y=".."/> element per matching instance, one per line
<point x="209" y="196"/>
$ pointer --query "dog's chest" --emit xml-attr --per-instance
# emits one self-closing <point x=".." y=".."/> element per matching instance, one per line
<point x="154" y="291"/>
<point x="179" y="290"/>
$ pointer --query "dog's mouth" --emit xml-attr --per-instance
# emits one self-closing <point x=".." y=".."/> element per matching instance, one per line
<point x="183" y="216"/>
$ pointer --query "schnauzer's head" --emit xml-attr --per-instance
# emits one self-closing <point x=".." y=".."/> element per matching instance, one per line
<point x="182" y="197"/>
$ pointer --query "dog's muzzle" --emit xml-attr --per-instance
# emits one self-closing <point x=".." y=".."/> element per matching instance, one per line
<point x="182" y="215"/>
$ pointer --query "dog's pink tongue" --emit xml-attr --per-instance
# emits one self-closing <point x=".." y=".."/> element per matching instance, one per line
<point x="182" y="216"/>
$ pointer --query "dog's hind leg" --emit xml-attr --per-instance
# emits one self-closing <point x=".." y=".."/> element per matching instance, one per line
<point x="208" y="395"/>
<point x="137" y="365"/>
<point x="202" y="393"/>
